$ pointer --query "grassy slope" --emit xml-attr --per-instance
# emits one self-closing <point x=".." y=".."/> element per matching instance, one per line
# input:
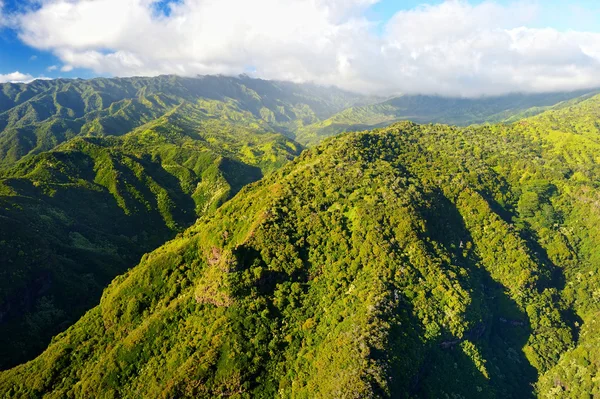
<point x="410" y="261"/>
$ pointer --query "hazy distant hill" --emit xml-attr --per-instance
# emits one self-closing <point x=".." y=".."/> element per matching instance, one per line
<point x="431" y="109"/>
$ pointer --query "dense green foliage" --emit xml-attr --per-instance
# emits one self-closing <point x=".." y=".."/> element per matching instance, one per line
<point x="430" y="109"/>
<point x="411" y="261"/>
<point x="36" y="117"/>
<point x="75" y="217"/>
<point x="98" y="172"/>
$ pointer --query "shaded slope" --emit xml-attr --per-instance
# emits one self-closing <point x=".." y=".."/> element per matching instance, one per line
<point x="571" y="136"/>
<point x="414" y="261"/>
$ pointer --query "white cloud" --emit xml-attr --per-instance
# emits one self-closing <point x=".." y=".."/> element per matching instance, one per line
<point x="2" y="17"/>
<point x="16" y="77"/>
<point x="453" y="48"/>
<point x="52" y="68"/>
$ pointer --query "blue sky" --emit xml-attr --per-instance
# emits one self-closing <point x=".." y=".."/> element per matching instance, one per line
<point x="558" y="14"/>
<point x="16" y="56"/>
<point x="57" y="49"/>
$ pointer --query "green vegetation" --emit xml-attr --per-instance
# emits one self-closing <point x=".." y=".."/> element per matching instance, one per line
<point x="411" y="261"/>
<point x="38" y="116"/>
<point x="430" y="109"/>
<point x="75" y="217"/>
<point x="97" y="172"/>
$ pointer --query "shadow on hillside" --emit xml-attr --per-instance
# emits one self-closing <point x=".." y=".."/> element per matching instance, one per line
<point x="77" y="253"/>
<point x="555" y="278"/>
<point x="83" y="238"/>
<point x="498" y="328"/>
<point x="239" y="174"/>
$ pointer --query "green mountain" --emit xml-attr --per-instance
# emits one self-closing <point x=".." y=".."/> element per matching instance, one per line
<point x="411" y="261"/>
<point x="36" y="117"/>
<point x="95" y="173"/>
<point x="432" y="109"/>
<point x="75" y="217"/>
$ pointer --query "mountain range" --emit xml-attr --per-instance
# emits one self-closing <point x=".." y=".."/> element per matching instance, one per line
<point x="407" y="261"/>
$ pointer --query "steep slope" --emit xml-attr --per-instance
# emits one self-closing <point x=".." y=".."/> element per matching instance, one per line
<point x="431" y="109"/>
<point x="573" y="134"/>
<point x="38" y="116"/>
<point x="75" y="217"/>
<point x="412" y="261"/>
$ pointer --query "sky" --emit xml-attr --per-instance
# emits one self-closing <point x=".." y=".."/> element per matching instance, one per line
<point x="446" y="47"/>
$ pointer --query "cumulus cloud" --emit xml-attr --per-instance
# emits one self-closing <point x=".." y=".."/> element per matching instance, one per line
<point x="453" y="48"/>
<point x="15" y="77"/>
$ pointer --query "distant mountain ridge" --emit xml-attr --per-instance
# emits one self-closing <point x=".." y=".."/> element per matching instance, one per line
<point x="432" y="109"/>
<point x="36" y="117"/>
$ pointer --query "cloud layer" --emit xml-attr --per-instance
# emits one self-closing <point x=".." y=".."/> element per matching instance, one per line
<point x="451" y="49"/>
<point x="15" y="77"/>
